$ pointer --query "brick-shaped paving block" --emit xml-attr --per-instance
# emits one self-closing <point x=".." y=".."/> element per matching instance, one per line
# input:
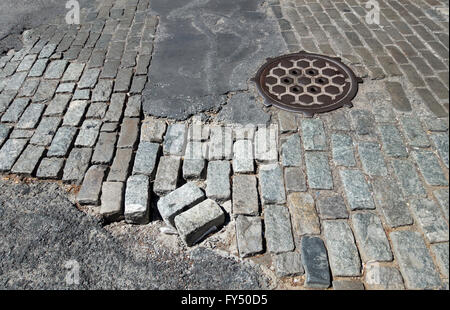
<point x="288" y="264"/>
<point x="152" y="130"/>
<point x="166" y="179"/>
<point x="348" y="285"/>
<point x="363" y="122"/>
<point x="272" y="184"/>
<point x="244" y="132"/>
<point x="175" y="140"/>
<point x="379" y="277"/>
<point x="75" y="113"/>
<point x="342" y="150"/>
<point x="87" y="136"/>
<point x="45" y="131"/>
<point x="442" y="197"/>
<point x="146" y="158"/>
<point x="249" y="235"/>
<point x="245" y="195"/>
<point x="133" y="108"/>
<point x="92" y="185"/>
<point x="218" y="185"/>
<point x="278" y="230"/>
<point x="10" y="152"/>
<point x="4" y="132"/>
<point x="294" y="179"/>
<point x="372" y="159"/>
<point x="313" y="133"/>
<point x="429" y="217"/>
<point x="315" y="261"/>
<point x="243" y="156"/>
<point x="89" y="78"/>
<point x="111" y="207"/>
<point x="45" y="91"/>
<point x="392" y="141"/>
<point x="128" y="133"/>
<point x="332" y="207"/>
<point x="102" y="91"/>
<point x="414" y="260"/>
<point x="179" y="200"/>
<point x="287" y="122"/>
<point x="137" y="198"/>
<point x="73" y="72"/>
<point x="408" y="177"/>
<point x="104" y="148"/>
<point x="440" y="251"/>
<point x="198" y="132"/>
<point x="440" y="140"/>
<point x="97" y="110"/>
<point x="30" y="118"/>
<point x="221" y="143"/>
<point x="15" y="110"/>
<point x="357" y="190"/>
<point x="195" y="223"/>
<point x="266" y="144"/>
<point x="318" y="170"/>
<point x="115" y="109"/>
<point x="58" y="105"/>
<point x="415" y="134"/>
<point x="28" y="160"/>
<point x="77" y="164"/>
<point x="430" y="168"/>
<point x="342" y="252"/>
<point x="62" y="142"/>
<point x="121" y="165"/>
<point x="291" y="152"/>
<point x="303" y="214"/>
<point x="50" y="168"/>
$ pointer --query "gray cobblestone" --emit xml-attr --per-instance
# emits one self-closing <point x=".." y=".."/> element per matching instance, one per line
<point x="110" y="69"/>
<point x="315" y="262"/>
<point x="62" y="142"/>
<point x="146" y="159"/>
<point x="133" y="108"/>
<point x="272" y="184"/>
<point x="4" y="132"/>
<point x="166" y="179"/>
<point x="66" y="88"/>
<point x="193" y="168"/>
<point x="28" y="160"/>
<point x="15" y="81"/>
<point x="104" y="149"/>
<point x="342" y="149"/>
<point x="430" y="219"/>
<point x="82" y="94"/>
<point x="243" y="156"/>
<point x="414" y="133"/>
<point x="291" y="154"/>
<point x="21" y="134"/>
<point x="128" y="133"/>
<point x="440" y="251"/>
<point x="372" y="159"/>
<point x="278" y="230"/>
<point x="245" y="195"/>
<point x="218" y="180"/>
<point x="47" y="50"/>
<point x="89" y="78"/>
<point x="15" y="110"/>
<point x="357" y="190"/>
<point x="97" y="110"/>
<point x="121" y="165"/>
<point x="92" y="185"/>
<point x="347" y="285"/>
<point x="287" y="122"/>
<point x="45" y="131"/>
<point x="26" y="63"/>
<point x="392" y="141"/>
<point x="249" y="235"/>
<point x="88" y="133"/>
<point x="123" y="80"/>
<point x="363" y="122"/>
<point x="50" y="168"/>
<point x="38" y="68"/>
<point x="314" y="138"/>
<point x="430" y="168"/>
<point x="75" y="113"/>
<point x="5" y="100"/>
<point x="288" y="264"/>
<point x="102" y="91"/>
<point x="175" y="140"/>
<point x="31" y="116"/>
<point x="294" y="179"/>
<point x="318" y="170"/>
<point x="440" y="140"/>
<point x="266" y="145"/>
<point x="45" y="91"/>
<point x="115" y="108"/>
<point x="112" y="201"/>
<point x="442" y="197"/>
<point x="77" y="164"/>
<point x="55" y="69"/>
<point x="153" y="130"/>
<point x="137" y="197"/>
<point x="73" y="72"/>
<point x="378" y="277"/>
<point x="303" y="214"/>
<point x="97" y="58"/>
<point x="332" y="207"/>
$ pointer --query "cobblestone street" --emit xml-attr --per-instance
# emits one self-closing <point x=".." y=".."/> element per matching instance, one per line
<point x="147" y="111"/>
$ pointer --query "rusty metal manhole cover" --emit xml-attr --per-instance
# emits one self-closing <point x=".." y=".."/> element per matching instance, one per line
<point x="307" y="83"/>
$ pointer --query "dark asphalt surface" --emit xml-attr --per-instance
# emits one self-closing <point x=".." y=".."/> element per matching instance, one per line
<point x="40" y="230"/>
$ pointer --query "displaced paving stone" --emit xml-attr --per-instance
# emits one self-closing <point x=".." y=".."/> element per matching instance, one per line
<point x="414" y="260"/>
<point x="440" y="251"/>
<point x="378" y="277"/>
<point x="193" y="168"/>
<point x="221" y="143"/>
<point x="179" y="200"/>
<point x="243" y="156"/>
<point x="175" y="140"/>
<point x="442" y="197"/>
<point x="318" y="170"/>
<point x="414" y="132"/>
<point x="218" y="180"/>
<point x="88" y="133"/>
<point x="288" y="264"/>
<point x="245" y="195"/>
<point x="62" y="142"/>
<point x="28" y="160"/>
<point x="315" y="261"/>
<point x="89" y="78"/>
<point x="278" y="229"/>
<point x="357" y="190"/>
<point x="112" y="201"/>
<point x="313" y="133"/>
<point x="45" y="131"/>
<point x="137" y="197"/>
<point x="303" y="213"/>
<point x="287" y="122"/>
<point x="198" y="221"/>
<point x="31" y="116"/>
<point x="249" y="235"/>
<point x="73" y="72"/>
<point x="121" y="165"/>
<point x="332" y="207"/>
<point x="294" y="179"/>
<point x="152" y="130"/>
<point x="392" y="141"/>
<point x="441" y="142"/>
<point x="291" y="153"/>
<point x="128" y="133"/>
<point x="363" y="122"/>
<point x="38" y="68"/>
<point x="371" y="238"/>
<point x="372" y="159"/>
<point x="92" y="185"/>
<point x="430" y="168"/>
<point x="342" y="149"/>
<point x="342" y="251"/>
<point x="348" y="285"/>
<point x="266" y="145"/>
<point x="102" y="91"/>
<point x="166" y="179"/>
<point x="75" y="113"/>
<point x="272" y="184"/>
<point x="104" y="148"/>
<point x="146" y="158"/>
<point x="15" y="110"/>
<point x="50" y="168"/>
<point x="55" y="69"/>
<point x="410" y="182"/>
<point x="429" y="217"/>
<point x="77" y="164"/>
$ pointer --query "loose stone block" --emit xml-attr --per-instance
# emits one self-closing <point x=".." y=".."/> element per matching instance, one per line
<point x="112" y="201"/>
<point x="288" y="264"/>
<point x="379" y="277"/>
<point x="115" y="109"/>
<point x="133" y="108"/>
<point x="55" y="69"/>
<point x="348" y="285"/>
<point x="370" y="235"/>
<point x="287" y="122"/>
<point x="243" y="156"/>
<point x="77" y="164"/>
<point x="28" y="160"/>
<point x="442" y="197"/>
<point x="392" y="141"/>
<point x="31" y="116"/>
<point x="294" y="179"/>
<point x="88" y="133"/>
<point x="89" y="78"/>
<point x="332" y="207"/>
<point x="121" y="165"/>
<point x="315" y="261"/>
<point x="166" y="179"/>
<point x="249" y="235"/>
<point x="175" y="140"/>
<point x="342" y="251"/>
<point x="430" y="219"/>
<point x="73" y="72"/>
<point x="92" y="185"/>
<point x="218" y="180"/>
<point x="146" y="157"/>
<point x="408" y="177"/>
<point x="266" y="144"/>
<point x="272" y="184"/>
<point x="10" y="152"/>
<point x="153" y="130"/>
<point x="303" y="213"/>
<point x="342" y="149"/>
<point x="291" y="153"/>
<point x="179" y="200"/>
<point x="62" y="142"/>
<point x="372" y="159"/>
<point x="313" y="133"/>
<point x="441" y="142"/>
<point x="128" y="133"/>
<point x="357" y="190"/>
<point x="363" y="122"/>
<point x="414" y="260"/>
<point x="15" y="110"/>
<point x="440" y="251"/>
<point x="430" y="168"/>
<point x="193" y="168"/>
<point x="102" y="91"/>
<point x="414" y="132"/>
<point x="318" y="171"/>
<point x="137" y="197"/>
<point x="45" y="131"/>
<point x="104" y="148"/>
<point x="75" y="113"/>
<point x="50" y="168"/>
<point x="278" y="229"/>
<point x="221" y="143"/>
<point x="245" y="195"/>
<point x="196" y="222"/>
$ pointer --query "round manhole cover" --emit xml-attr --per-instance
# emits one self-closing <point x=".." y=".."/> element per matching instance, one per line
<point x="307" y="83"/>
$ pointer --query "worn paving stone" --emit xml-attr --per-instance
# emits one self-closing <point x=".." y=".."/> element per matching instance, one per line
<point x="378" y="277"/>
<point x="294" y="179"/>
<point x="372" y="159"/>
<point x="243" y="156"/>
<point x="138" y="84"/>
<point x="110" y="68"/>
<point x="104" y="148"/>
<point x="28" y="88"/>
<point x="88" y="134"/>
<point x="339" y="121"/>
<point x="175" y="140"/>
<point x="75" y="113"/>
<point x="146" y="159"/>
<point x="348" y="285"/>
<point x="97" y="110"/>
<point x="303" y="214"/>
<point x="392" y="141"/>
<point x="92" y="185"/>
<point x="278" y="229"/>
<point x="123" y="80"/>
<point x="399" y="100"/>
<point x="137" y="197"/>
<point x="193" y="168"/>
<point x="111" y="207"/>
<point x="38" y="68"/>
<point x="430" y="168"/>
<point x="62" y="142"/>
<point x="152" y="130"/>
<point x="31" y="116"/>
<point x="371" y="238"/>
<point x="272" y="184"/>
<point x="77" y="164"/>
<point x="26" y="63"/>
<point x="414" y="260"/>
<point x="442" y="196"/>
<point x="166" y="179"/>
<point x="245" y="195"/>
<point x="332" y="207"/>
<point x="66" y="88"/>
<point x="115" y="108"/>
<point x="28" y="160"/>
<point x="363" y="122"/>
<point x="287" y="122"/>
<point x="408" y="177"/>
<point x="128" y="133"/>
<point x="249" y="235"/>
<point x="440" y="140"/>
<point x="45" y="91"/>
<point x="82" y="94"/>
<point x="357" y="190"/>
<point x="50" y="168"/>
<point x="55" y="69"/>
<point x="197" y="221"/>
<point x="288" y="264"/>
<point x="21" y="134"/>
<point x="415" y="134"/>
<point x="342" y="150"/>
<point x="313" y="133"/>
<point x="179" y="200"/>
<point x="218" y="185"/>
<point x="133" y="108"/>
<point x="429" y="217"/>
<point x="73" y="72"/>
<point x="315" y="261"/>
<point x="45" y="131"/>
<point x="89" y="78"/>
<point x="4" y="132"/>
<point x="266" y="145"/>
<point x="110" y="127"/>
<point x="121" y="165"/>
<point x="440" y="251"/>
<point x="102" y="91"/>
<point x="5" y="100"/>
<point x="47" y="50"/>
<point x="318" y="170"/>
<point x="15" y="110"/>
<point x="221" y="143"/>
<point x="291" y="153"/>
<point x="342" y="251"/>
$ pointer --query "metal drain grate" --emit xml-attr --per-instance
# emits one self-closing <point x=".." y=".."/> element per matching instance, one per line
<point x="307" y="83"/>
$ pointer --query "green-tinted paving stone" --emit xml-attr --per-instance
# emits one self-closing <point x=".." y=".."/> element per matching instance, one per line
<point x="430" y="168"/>
<point x="392" y="141"/>
<point x="408" y="177"/>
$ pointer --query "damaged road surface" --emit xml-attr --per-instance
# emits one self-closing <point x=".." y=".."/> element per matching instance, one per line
<point x="205" y="50"/>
